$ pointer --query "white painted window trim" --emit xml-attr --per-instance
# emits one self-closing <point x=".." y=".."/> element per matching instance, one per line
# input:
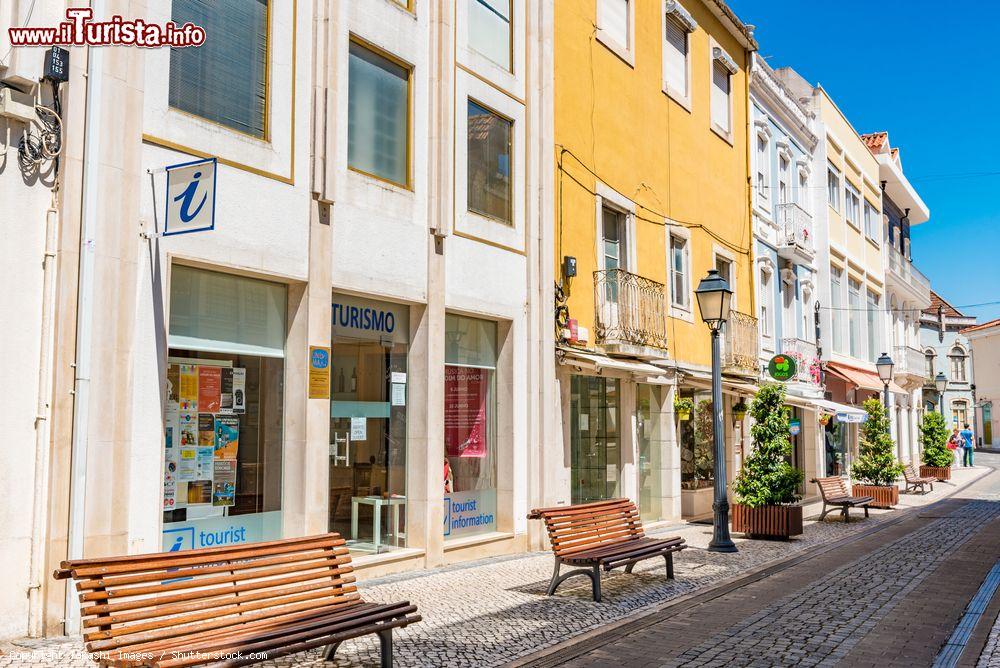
<point x="512" y="82"/>
<point x="608" y="196"/>
<point x="680" y="311"/>
<point x="624" y="51"/>
<point x="765" y="265"/>
<point x="719" y="251"/>
<point x="850" y="189"/>
<point x="832" y="168"/>
<point x="763" y="200"/>
<point x="717" y="53"/>
<point x="673" y="11"/>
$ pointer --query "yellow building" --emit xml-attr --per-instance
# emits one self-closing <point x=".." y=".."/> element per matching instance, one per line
<point x="652" y="192"/>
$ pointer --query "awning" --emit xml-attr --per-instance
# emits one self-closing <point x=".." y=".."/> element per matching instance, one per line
<point x="704" y="380"/>
<point x="601" y="362"/>
<point x="863" y="378"/>
<point x="844" y="412"/>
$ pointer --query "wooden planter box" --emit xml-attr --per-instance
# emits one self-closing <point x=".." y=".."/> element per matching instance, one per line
<point x="885" y="496"/>
<point x="768" y="521"/>
<point x="942" y="473"/>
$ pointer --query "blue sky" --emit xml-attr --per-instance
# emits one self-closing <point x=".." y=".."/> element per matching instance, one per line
<point x="922" y="71"/>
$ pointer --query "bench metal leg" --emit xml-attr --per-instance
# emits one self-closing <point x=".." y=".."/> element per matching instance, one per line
<point x="385" y="641"/>
<point x="329" y="651"/>
<point x="823" y="514"/>
<point x="631" y="565"/>
<point x="669" y="556"/>
<point x="847" y="514"/>
<point x="594" y="575"/>
<point x="866" y="511"/>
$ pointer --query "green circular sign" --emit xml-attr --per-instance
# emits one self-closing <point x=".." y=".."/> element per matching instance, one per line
<point x="781" y="367"/>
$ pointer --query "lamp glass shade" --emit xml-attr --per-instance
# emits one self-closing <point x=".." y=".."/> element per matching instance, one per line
<point x="941" y="382"/>
<point x="714" y="299"/>
<point x="884" y="366"/>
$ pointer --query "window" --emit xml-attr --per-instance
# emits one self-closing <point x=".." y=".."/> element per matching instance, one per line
<point x="763" y="189"/>
<point x="470" y="426"/>
<point x="801" y="193"/>
<point x="873" y="326"/>
<point x="766" y="302"/>
<point x="959" y="413"/>
<point x="697" y="438"/>
<point x="854" y="319"/>
<point x="378" y="112"/>
<point x="929" y="363"/>
<point x="807" y="315"/>
<point x="852" y="208"/>
<point x="725" y="268"/>
<point x="957" y="357"/>
<point x="490" y="30"/>
<point x="720" y="95"/>
<point x="678" y="272"/>
<point x="783" y="177"/>
<point x="614" y="235"/>
<point x="871" y="222"/>
<point x="613" y="18"/>
<point x="225" y="80"/>
<point x="489" y="146"/>
<point x="837" y="310"/>
<point x="675" y="56"/>
<point x="833" y="187"/>
<point x="595" y="438"/>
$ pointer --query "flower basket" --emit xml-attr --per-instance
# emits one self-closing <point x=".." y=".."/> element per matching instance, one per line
<point x="781" y="521"/>
<point x="824" y="418"/>
<point x="884" y="496"/>
<point x="942" y="473"/>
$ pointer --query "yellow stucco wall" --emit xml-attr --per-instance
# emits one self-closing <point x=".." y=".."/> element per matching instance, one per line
<point x="614" y="124"/>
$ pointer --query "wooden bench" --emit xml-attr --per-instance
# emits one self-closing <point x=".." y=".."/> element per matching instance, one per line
<point x="914" y="480"/>
<point x="834" y="492"/>
<point x="209" y="606"/>
<point x="603" y="534"/>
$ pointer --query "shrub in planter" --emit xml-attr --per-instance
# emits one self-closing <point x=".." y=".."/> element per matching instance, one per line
<point x="936" y="456"/>
<point x="876" y="467"/>
<point x="767" y="488"/>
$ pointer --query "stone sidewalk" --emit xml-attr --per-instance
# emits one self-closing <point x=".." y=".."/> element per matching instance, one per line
<point x="490" y="612"/>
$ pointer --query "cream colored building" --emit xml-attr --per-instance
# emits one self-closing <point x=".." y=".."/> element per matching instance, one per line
<point x="383" y="173"/>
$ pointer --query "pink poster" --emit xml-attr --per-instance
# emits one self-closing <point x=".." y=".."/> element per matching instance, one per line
<point x="465" y="411"/>
<point x="209" y="389"/>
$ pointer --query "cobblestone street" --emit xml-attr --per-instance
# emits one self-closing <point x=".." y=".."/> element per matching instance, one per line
<point x="495" y="611"/>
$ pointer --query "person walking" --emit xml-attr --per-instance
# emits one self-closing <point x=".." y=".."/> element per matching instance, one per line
<point x="967" y="436"/>
<point x="957" y="445"/>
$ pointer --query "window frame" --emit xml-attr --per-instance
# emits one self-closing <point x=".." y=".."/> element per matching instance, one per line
<point x="958" y="364"/>
<point x="855" y="333"/>
<point x="870" y="224"/>
<point x="837" y="306"/>
<point x="673" y="11"/>
<point x="762" y="168"/>
<point x="852" y="203"/>
<point x="833" y="189"/>
<point x="930" y="362"/>
<point x="624" y="51"/>
<point x="685" y="305"/>
<point x="510" y="151"/>
<point x="510" y="39"/>
<point x="374" y="48"/>
<point x="766" y="307"/>
<point x="719" y="58"/>
<point x="873" y="301"/>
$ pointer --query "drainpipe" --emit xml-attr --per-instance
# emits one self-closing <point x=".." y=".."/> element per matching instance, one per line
<point x="84" y="319"/>
<point x="40" y="498"/>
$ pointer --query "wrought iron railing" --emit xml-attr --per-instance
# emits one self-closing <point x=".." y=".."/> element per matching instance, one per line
<point x="741" y="344"/>
<point x="806" y="358"/>
<point x="630" y="309"/>
<point x="796" y="225"/>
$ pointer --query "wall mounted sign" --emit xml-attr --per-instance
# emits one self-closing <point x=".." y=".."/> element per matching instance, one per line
<point x="319" y="372"/>
<point x="781" y="367"/>
<point x="190" y="197"/>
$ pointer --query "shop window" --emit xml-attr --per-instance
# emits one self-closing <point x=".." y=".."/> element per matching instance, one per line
<point x="836" y="446"/>
<point x="225" y="80"/>
<point x="489" y="178"/>
<point x="470" y="464"/>
<point x="697" y="443"/>
<point x="378" y="115"/>
<point x="368" y="392"/>
<point x="490" y="30"/>
<point x="595" y="438"/>
<point x="959" y="413"/>
<point x="224" y="410"/>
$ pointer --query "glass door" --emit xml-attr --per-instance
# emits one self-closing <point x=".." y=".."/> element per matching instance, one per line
<point x="650" y="445"/>
<point x="595" y="438"/>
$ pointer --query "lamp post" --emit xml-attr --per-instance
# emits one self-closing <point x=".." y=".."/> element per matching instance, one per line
<point x="714" y="298"/>
<point x="941" y="384"/>
<point x="884" y="366"/>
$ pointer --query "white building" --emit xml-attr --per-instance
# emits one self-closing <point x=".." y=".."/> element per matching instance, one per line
<point x="368" y="306"/>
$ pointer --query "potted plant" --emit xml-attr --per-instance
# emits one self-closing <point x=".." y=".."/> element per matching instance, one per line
<point x="824" y="418"/>
<point x="936" y="456"/>
<point x="767" y="488"/>
<point x="740" y="410"/>
<point x="683" y="407"/>
<point x="876" y="468"/>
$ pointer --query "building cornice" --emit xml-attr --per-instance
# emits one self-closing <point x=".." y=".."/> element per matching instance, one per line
<point x="764" y="82"/>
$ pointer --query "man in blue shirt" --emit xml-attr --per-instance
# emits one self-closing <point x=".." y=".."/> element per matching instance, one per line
<point x="966" y="435"/>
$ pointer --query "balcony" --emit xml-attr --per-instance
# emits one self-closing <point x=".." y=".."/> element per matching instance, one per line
<point x="631" y="313"/>
<point x="806" y="358"/>
<point x="906" y="273"/>
<point x="910" y="366"/>
<point x="740" y="351"/>
<point x="795" y="230"/>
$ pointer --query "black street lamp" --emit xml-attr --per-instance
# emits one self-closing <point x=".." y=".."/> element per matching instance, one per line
<point x="714" y="298"/>
<point x="941" y="384"/>
<point x="884" y="366"/>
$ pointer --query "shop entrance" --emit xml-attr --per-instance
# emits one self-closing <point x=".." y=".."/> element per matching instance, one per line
<point x="595" y="438"/>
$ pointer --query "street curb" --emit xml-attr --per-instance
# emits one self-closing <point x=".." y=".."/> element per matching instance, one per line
<point x="597" y="637"/>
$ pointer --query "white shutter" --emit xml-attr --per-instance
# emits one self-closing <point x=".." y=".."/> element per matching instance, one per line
<point x="676" y="50"/>
<point x="720" y="95"/>
<point x="612" y="18"/>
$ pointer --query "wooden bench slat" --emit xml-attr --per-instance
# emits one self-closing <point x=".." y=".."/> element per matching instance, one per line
<point x="834" y="492"/>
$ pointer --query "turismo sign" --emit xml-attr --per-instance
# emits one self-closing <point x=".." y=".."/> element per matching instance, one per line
<point x="360" y="318"/>
<point x="190" y="197"/>
<point x="782" y="367"/>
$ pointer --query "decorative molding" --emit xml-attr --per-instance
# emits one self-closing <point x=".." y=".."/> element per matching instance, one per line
<point x="724" y="60"/>
<point x="788" y="276"/>
<point x="766" y="264"/>
<point x="674" y="10"/>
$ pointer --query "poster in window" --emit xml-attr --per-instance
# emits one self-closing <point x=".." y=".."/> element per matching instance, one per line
<point x="209" y="388"/>
<point x="224" y="483"/>
<point x="187" y="444"/>
<point x="239" y="390"/>
<point x="227" y="437"/>
<point x="173" y="383"/>
<point x="465" y="394"/>
<point x="199" y="492"/>
<point x="206" y="430"/>
<point x="188" y="387"/>
<point x="226" y="394"/>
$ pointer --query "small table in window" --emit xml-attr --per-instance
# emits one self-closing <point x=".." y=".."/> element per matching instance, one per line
<point x="377" y="502"/>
